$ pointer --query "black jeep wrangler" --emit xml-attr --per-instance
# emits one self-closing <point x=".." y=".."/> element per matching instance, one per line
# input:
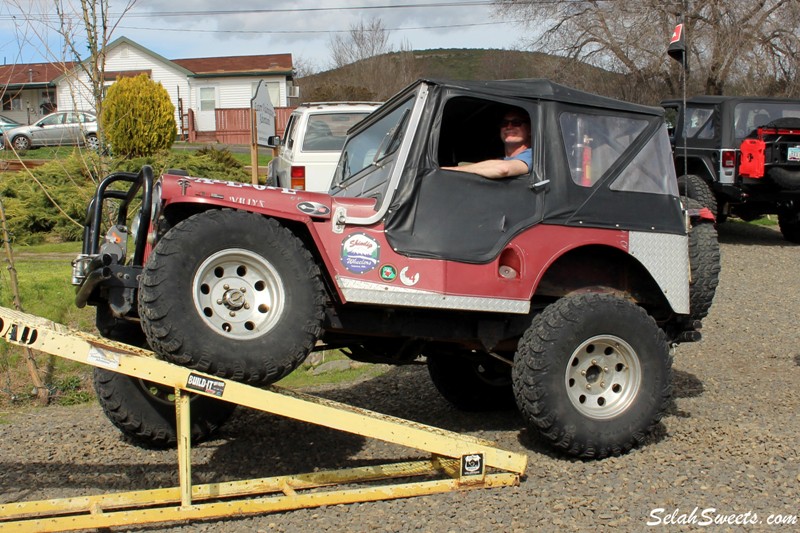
<point x="740" y="156"/>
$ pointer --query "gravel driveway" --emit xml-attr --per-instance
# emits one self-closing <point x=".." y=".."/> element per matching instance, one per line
<point x="727" y="450"/>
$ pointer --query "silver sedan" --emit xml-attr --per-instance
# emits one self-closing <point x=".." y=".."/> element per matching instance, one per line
<point x="56" y="129"/>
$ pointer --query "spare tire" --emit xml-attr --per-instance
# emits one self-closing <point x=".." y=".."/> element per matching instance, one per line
<point x="785" y="178"/>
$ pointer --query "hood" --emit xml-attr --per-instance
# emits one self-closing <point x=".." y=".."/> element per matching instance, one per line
<point x="274" y="201"/>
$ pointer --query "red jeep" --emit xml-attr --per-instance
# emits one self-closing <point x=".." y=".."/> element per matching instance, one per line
<point x="561" y="290"/>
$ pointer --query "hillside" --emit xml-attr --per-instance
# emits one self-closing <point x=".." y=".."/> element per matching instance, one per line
<point x="380" y="77"/>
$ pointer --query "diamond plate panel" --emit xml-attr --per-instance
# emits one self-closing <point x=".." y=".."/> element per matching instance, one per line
<point x="382" y="294"/>
<point x="666" y="257"/>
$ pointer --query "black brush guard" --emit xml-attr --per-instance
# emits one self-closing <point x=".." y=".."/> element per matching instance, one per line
<point x="94" y="268"/>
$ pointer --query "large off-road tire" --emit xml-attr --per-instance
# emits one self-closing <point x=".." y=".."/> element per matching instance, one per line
<point x="704" y="261"/>
<point x="592" y="375"/>
<point x="145" y="411"/>
<point x="697" y="188"/>
<point x="471" y="384"/>
<point x="232" y="294"/>
<point x="789" y="223"/>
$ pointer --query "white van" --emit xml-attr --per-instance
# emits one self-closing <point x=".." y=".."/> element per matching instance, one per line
<point x="313" y="139"/>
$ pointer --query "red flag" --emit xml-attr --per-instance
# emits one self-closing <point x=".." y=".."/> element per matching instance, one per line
<point x="677" y="46"/>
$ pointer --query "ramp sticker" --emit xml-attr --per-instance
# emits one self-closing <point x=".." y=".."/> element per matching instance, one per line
<point x="472" y="465"/>
<point x="215" y="387"/>
<point x="360" y="253"/>
<point x="103" y="358"/>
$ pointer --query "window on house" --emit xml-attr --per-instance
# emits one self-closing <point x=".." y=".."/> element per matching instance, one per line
<point x="12" y="103"/>
<point x="273" y="88"/>
<point x="208" y="98"/>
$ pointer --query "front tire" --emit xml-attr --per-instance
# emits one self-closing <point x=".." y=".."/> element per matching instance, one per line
<point x="21" y="143"/>
<point x="592" y="375"/>
<point x="145" y="412"/>
<point x="232" y="294"/>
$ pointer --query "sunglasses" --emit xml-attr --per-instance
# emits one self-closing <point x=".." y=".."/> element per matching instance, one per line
<point x="513" y="122"/>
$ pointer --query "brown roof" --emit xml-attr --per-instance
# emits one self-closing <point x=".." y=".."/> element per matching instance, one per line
<point x="32" y="72"/>
<point x="22" y="74"/>
<point x="234" y="64"/>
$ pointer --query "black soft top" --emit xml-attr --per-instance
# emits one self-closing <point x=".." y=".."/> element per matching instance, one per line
<point x="542" y="89"/>
<point x="719" y="99"/>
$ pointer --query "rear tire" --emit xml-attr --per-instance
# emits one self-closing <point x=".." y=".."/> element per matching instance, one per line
<point x="704" y="261"/>
<point x="697" y="188"/>
<point x="789" y="223"/>
<point x="592" y="375"/>
<point x="470" y="384"/>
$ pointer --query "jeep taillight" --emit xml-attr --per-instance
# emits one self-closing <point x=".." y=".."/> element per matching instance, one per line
<point x="298" y="175"/>
<point x="728" y="158"/>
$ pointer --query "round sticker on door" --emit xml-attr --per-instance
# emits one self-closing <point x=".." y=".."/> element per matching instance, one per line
<point x="360" y="253"/>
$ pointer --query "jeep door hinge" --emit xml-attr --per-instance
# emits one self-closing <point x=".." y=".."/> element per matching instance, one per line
<point x="338" y="219"/>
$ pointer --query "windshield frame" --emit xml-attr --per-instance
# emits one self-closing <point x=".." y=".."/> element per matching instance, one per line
<point x="420" y="96"/>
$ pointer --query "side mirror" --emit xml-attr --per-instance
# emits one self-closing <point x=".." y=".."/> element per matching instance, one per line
<point x="274" y="140"/>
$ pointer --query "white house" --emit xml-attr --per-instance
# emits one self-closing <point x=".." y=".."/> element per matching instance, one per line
<point x="205" y="91"/>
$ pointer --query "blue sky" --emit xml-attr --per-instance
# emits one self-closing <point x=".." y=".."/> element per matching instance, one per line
<point x="204" y="28"/>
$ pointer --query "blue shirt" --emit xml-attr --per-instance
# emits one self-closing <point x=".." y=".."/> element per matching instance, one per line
<point x="526" y="156"/>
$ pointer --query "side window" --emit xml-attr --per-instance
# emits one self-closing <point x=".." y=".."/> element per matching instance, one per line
<point x="53" y="120"/>
<point x="595" y="142"/>
<point x="470" y="130"/>
<point x="288" y="135"/>
<point x="672" y="114"/>
<point x="651" y="171"/>
<point x="699" y="123"/>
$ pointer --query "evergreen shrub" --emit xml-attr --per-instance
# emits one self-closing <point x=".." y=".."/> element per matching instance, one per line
<point x="138" y="117"/>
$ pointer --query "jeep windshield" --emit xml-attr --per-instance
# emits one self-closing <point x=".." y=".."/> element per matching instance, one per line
<point x="372" y="145"/>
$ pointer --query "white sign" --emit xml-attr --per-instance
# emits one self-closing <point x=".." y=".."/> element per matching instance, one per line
<point x="265" y="114"/>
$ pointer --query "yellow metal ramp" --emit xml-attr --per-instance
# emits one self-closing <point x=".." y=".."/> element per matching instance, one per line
<point x="457" y="462"/>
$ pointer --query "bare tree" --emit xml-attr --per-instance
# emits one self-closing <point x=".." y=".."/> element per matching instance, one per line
<point x="728" y="42"/>
<point x="81" y="25"/>
<point x="368" y="63"/>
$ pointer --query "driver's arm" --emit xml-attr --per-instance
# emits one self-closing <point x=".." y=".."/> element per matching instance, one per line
<point x="494" y="168"/>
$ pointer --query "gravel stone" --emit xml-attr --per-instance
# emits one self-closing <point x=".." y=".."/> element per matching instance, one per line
<point x="728" y="442"/>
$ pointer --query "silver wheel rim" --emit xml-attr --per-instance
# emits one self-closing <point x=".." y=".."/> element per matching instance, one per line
<point x="92" y="142"/>
<point x="603" y="377"/>
<point x="238" y="293"/>
<point x="21" y="143"/>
